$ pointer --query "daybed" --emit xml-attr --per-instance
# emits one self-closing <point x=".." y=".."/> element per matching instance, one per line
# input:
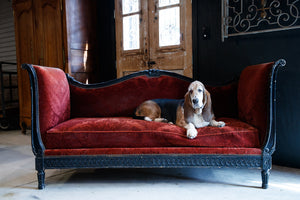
<point x="75" y="125"/>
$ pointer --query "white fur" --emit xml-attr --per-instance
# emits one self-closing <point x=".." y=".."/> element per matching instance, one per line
<point x="217" y="124"/>
<point x="148" y="119"/>
<point x="198" y="121"/>
<point x="191" y="131"/>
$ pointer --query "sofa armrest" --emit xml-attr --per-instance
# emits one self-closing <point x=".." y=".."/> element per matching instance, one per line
<point x="50" y="101"/>
<point x="257" y="98"/>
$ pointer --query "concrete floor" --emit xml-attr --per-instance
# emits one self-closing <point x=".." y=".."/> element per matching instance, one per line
<point x="18" y="180"/>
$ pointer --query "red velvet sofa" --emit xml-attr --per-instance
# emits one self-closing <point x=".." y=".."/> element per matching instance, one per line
<point x="91" y="126"/>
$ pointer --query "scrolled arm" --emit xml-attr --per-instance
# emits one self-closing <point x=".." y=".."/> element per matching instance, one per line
<point x="38" y="147"/>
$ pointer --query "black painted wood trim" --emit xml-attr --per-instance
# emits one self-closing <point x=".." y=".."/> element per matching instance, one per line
<point x="149" y="73"/>
<point x="153" y="161"/>
<point x="270" y="143"/>
<point x="38" y="147"/>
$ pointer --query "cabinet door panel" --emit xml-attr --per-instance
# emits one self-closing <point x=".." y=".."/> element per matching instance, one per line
<point x="49" y="33"/>
<point x="25" y="53"/>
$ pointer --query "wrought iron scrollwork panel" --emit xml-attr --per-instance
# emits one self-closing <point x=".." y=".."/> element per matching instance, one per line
<point x="241" y="17"/>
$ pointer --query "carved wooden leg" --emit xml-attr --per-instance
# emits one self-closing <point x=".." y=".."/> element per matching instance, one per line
<point x="265" y="178"/>
<point x="39" y="166"/>
<point x="23" y="127"/>
<point x="41" y="179"/>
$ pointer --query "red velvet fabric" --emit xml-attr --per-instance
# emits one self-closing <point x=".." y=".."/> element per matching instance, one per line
<point x="253" y="96"/>
<point x="130" y="133"/>
<point x="154" y="150"/>
<point x="121" y="99"/>
<point x="54" y="97"/>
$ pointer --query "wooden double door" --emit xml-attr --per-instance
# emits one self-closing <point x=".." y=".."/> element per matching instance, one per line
<point x="153" y="34"/>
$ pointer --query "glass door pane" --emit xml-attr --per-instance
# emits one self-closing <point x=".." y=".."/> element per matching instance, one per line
<point x="169" y="26"/>
<point x="130" y="6"/>
<point x="131" y="24"/>
<point x="131" y="32"/>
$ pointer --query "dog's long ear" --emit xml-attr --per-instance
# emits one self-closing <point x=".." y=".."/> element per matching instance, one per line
<point x="187" y="100"/>
<point x="206" y="95"/>
<point x="208" y="113"/>
<point x="206" y="99"/>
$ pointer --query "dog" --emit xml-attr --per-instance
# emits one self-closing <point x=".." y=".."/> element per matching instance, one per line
<point x="194" y="111"/>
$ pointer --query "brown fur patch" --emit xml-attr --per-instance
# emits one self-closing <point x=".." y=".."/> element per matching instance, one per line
<point x="148" y="109"/>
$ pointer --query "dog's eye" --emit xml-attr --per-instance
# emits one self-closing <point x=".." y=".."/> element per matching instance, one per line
<point x="199" y="90"/>
<point x="191" y="91"/>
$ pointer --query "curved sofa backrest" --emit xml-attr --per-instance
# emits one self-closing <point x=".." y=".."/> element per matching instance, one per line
<point x="120" y="98"/>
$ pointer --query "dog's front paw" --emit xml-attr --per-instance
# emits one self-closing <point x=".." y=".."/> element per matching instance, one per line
<point x="220" y="124"/>
<point x="217" y="124"/>
<point x="191" y="133"/>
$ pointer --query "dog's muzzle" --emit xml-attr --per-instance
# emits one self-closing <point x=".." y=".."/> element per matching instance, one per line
<point x="196" y="103"/>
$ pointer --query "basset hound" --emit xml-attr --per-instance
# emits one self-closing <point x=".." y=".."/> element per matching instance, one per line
<point x="194" y="111"/>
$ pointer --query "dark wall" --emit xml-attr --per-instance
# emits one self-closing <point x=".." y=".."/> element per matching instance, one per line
<point x="216" y="62"/>
<point x="107" y="47"/>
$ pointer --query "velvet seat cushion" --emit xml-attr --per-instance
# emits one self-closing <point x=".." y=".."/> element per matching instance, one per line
<point x="130" y="133"/>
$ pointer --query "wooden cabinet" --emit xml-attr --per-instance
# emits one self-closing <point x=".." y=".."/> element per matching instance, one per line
<point x="40" y="40"/>
<point x="55" y="33"/>
<point x="24" y="46"/>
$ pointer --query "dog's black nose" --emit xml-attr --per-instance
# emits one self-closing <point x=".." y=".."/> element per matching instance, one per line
<point x="195" y="101"/>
